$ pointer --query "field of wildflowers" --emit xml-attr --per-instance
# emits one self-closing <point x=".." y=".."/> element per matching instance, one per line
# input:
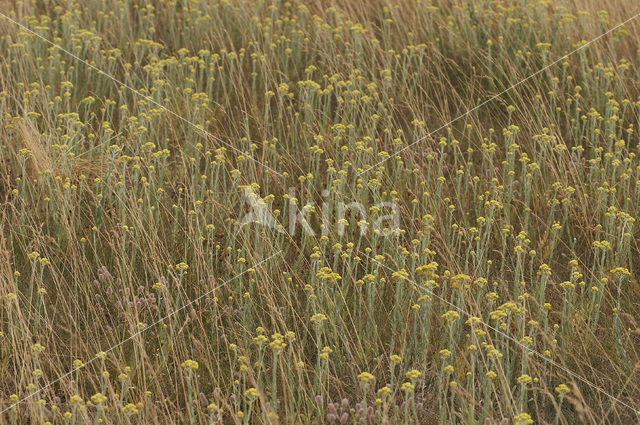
<point x="319" y="212"/>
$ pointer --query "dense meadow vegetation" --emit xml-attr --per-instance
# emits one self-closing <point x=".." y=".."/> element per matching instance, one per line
<point x="428" y="243"/>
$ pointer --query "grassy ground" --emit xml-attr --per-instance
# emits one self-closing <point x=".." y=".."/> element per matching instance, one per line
<point x="487" y="271"/>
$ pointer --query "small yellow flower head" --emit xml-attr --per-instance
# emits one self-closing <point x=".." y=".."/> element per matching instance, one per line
<point x="278" y="344"/>
<point x="260" y="339"/>
<point x="407" y="387"/>
<point x="25" y="153"/>
<point x="37" y="348"/>
<point x="395" y="359"/>
<point x="76" y="399"/>
<point x="324" y="355"/>
<point x="522" y="419"/>
<point x="130" y="409"/>
<point x="365" y="377"/>
<point x="384" y="391"/>
<point x="190" y="365"/>
<point x="413" y="374"/>
<point x="251" y="393"/>
<point x="562" y="389"/>
<point x="98" y="398"/>
<point x="524" y="379"/>
<point x="318" y="318"/>
<point x="491" y="374"/>
<point x="445" y="353"/>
